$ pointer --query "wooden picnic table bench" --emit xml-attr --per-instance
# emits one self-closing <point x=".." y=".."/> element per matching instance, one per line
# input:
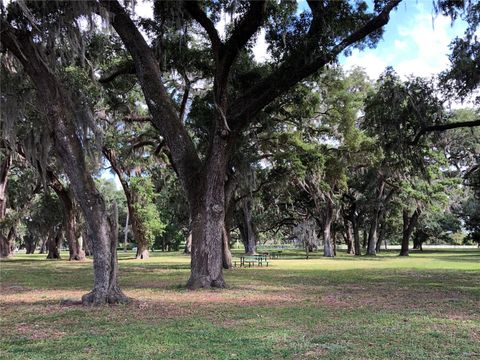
<point x="259" y="260"/>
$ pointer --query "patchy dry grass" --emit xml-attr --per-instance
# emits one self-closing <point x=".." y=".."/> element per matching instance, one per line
<point x="426" y="306"/>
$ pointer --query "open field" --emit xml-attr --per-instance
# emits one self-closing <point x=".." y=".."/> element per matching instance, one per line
<point x="426" y="306"/>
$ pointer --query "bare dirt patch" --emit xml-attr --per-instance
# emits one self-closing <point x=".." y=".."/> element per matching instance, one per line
<point x="37" y="332"/>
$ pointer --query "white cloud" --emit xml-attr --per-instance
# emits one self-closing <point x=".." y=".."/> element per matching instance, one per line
<point x="419" y="46"/>
<point x="400" y="45"/>
<point x="429" y="42"/>
<point x="371" y="62"/>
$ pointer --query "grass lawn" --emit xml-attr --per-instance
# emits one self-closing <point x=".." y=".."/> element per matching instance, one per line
<point x="426" y="306"/>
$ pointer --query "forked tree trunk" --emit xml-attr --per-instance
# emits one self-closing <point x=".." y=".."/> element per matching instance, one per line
<point x="409" y="223"/>
<point x="53" y="245"/>
<point x="208" y="221"/>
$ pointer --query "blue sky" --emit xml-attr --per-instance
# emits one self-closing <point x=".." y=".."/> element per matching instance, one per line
<point x="415" y="42"/>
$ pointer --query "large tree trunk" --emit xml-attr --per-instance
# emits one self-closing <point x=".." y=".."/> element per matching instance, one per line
<point x="30" y="243"/>
<point x="53" y="245"/>
<point x="208" y="221"/>
<point x="62" y="116"/>
<point x="125" y="233"/>
<point x="409" y="223"/>
<point x="138" y="230"/>
<point x="249" y="236"/>
<point x="356" y="237"/>
<point x="7" y="243"/>
<point x="5" y="246"/>
<point x="43" y="244"/>
<point x="373" y="233"/>
<point x="381" y="230"/>
<point x="372" y="236"/>
<point x="417" y="243"/>
<point x="349" y="236"/>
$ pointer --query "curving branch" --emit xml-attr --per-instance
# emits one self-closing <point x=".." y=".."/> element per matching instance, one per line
<point x="243" y="31"/>
<point x="444" y="127"/>
<point x="193" y="8"/>
<point x="164" y="113"/>
<point x="299" y="65"/>
<point x="123" y="69"/>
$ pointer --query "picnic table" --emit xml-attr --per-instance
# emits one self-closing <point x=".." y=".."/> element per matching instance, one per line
<point x="251" y="260"/>
<point x="275" y="254"/>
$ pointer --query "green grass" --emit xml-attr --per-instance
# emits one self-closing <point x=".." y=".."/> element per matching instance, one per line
<point x="426" y="306"/>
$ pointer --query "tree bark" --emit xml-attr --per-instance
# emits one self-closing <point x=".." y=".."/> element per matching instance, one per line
<point x="409" y="223"/>
<point x="208" y="225"/>
<point x="30" y="243"/>
<point x="125" y="232"/>
<point x="249" y="235"/>
<point x="53" y="245"/>
<point x="7" y="243"/>
<point x="227" y="255"/>
<point x="43" y="245"/>
<point x="381" y="231"/>
<point x="188" y="243"/>
<point x="327" y="225"/>
<point x="349" y="236"/>
<point x="356" y="237"/>
<point x="417" y="243"/>
<point x="364" y="239"/>
<point x="6" y="249"/>
<point x="373" y="233"/>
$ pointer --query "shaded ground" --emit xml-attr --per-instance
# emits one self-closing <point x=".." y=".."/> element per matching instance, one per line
<point x="426" y="306"/>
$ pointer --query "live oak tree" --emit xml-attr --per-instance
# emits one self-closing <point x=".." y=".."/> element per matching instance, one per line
<point x="31" y="38"/>
<point x="312" y="41"/>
